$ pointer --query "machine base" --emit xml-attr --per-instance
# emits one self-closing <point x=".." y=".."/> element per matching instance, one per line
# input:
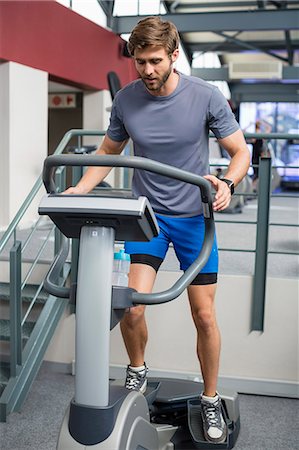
<point x="196" y="428"/>
<point x="174" y="408"/>
<point x="177" y="403"/>
<point x="132" y="430"/>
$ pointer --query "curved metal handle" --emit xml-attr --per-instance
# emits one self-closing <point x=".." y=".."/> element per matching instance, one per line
<point x="162" y="169"/>
<point x="54" y="272"/>
<point x="122" y="161"/>
<point x="187" y="277"/>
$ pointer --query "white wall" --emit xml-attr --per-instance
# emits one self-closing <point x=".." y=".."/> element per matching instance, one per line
<point x="269" y="356"/>
<point x="265" y="363"/>
<point x="96" y="113"/>
<point x="4" y="144"/>
<point x="23" y="136"/>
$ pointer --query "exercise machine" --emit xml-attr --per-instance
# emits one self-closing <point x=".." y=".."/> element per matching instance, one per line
<point x="103" y="414"/>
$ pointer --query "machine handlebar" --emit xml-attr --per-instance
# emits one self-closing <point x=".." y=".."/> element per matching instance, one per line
<point x="56" y="269"/>
<point x="53" y="161"/>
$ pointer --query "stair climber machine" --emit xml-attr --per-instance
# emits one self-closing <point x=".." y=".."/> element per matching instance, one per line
<point x="103" y="414"/>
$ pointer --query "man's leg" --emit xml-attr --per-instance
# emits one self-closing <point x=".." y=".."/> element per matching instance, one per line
<point x="133" y="325"/>
<point x="201" y="298"/>
<point x="146" y="258"/>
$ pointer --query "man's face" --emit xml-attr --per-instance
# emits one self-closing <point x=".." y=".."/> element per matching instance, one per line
<point x="154" y="66"/>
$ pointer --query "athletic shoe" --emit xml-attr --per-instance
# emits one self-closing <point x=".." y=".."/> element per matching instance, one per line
<point x="136" y="380"/>
<point x="214" y="426"/>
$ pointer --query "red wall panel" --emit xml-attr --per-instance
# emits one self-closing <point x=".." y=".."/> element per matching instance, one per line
<point x="48" y="36"/>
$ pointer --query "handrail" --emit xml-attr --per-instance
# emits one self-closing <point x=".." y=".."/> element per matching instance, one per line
<point x="289" y="136"/>
<point x="55" y="270"/>
<point x="124" y="161"/>
<point x="20" y="364"/>
<point x="38" y="184"/>
<point x="79" y="133"/>
<point x="14" y="223"/>
<point x="163" y="169"/>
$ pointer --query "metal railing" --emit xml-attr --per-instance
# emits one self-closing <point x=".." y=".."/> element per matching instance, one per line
<point x="261" y="249"/>
<point x="262" y="224"/>
<point x="16" y="252"/>
<point x="21" y="356"/>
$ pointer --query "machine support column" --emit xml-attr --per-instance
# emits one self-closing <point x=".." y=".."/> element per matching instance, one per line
<point x="93" y="312"/>
<point x="261" y="253"/>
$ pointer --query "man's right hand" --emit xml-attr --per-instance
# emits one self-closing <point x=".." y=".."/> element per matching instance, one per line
<point x="77" y="190"/>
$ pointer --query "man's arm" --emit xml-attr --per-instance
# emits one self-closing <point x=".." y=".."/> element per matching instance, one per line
<point x="94" y="175"/>
<point x="236" y="147"/>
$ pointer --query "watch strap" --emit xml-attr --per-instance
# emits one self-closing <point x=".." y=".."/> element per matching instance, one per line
<point x="230" y="184"/>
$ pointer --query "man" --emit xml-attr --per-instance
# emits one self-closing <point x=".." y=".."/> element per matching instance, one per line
<point x="168" y="116"/>
<point x="259" y="148"/>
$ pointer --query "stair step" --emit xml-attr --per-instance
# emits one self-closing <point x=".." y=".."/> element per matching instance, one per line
<point x="5" y="330"/>
<point x="28" y="293"/>
<point x="4" y="375"/>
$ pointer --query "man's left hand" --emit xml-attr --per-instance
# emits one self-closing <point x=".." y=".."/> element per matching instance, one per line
<point x="223" y="195"/>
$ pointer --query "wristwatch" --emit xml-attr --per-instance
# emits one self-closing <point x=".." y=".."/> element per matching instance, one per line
<point x="230" y="184"/>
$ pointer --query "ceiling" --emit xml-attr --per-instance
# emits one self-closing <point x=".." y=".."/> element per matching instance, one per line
<point x="240" y="32"/>
<point x="266" y="34"/>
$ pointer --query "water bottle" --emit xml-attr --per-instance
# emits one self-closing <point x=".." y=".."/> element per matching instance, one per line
<point x="121" y="266"/>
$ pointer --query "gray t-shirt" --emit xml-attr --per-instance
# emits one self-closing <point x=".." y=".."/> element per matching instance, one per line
<point x="174" y="130"/>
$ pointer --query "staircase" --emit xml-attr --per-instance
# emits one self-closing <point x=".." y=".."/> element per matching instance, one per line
<point x="28" y="315"/>
<point x="5" y="329"/>
<point x="22" y="348"/>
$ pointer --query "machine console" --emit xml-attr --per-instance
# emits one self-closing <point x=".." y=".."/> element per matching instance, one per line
<point x="132" y="218"/>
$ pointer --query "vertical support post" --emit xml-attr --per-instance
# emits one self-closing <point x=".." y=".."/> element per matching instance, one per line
<point x="60" y="181"/>
<point x="77" y="172"/>
<point x="261" y="248"/>
<point x="75" y="257"/>
<point x="126" y="171"/>
<point x="15" y="305"/>
<point x="93" y="312"/>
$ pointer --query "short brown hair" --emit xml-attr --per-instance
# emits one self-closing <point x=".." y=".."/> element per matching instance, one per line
<point x="154" y="31"/>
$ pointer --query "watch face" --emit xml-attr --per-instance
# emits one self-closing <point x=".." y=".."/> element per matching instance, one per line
<point x="230" y="184"/>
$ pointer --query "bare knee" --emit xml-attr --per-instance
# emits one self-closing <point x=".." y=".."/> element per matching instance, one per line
<point x="134" y="316"/>
<point x="201" y="299"/>
<point x="205" y="320"/>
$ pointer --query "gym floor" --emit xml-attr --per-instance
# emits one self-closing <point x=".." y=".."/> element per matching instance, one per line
<point x="267" y="423"/>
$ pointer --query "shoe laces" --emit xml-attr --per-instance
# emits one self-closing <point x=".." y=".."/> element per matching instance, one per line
<point x="212" y="413"/>
<point x="134" y="378"/>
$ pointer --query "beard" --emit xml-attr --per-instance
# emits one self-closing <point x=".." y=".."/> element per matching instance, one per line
<point x="157" y="83"/>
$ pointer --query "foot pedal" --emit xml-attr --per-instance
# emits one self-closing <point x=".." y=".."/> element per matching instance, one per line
<point x="151" y="391"/>
<point x="196" y="428"/>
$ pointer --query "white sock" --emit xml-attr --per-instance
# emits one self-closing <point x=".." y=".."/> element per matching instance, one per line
<point x="209" y="399"/>
<point x="137" y="369"/>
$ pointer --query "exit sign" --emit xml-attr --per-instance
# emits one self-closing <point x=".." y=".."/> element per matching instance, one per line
<point x="62" y="101"/>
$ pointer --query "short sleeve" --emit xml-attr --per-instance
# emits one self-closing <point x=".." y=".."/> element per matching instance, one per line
<point x="221" y="119"/>
<point x="116" y="130"/>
